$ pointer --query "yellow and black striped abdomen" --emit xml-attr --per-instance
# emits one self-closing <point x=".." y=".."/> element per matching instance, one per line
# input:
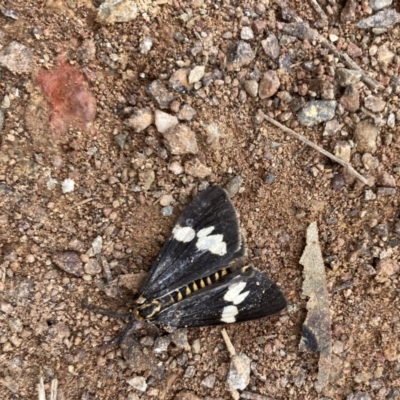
<point x="151" y="309"/>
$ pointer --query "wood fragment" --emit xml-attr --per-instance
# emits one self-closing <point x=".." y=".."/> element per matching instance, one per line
<point x="318" y="9"/>
<point x="316" y="331"/>
<point x="314" y="146"/>
<point x="81" y="203"/>
<point x="106" y="267"/>
<point x="41" y="391"/>
<point x="53" y="389"/>
<point x="228" y="343"/>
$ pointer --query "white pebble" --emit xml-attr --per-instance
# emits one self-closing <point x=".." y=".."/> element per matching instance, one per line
<point x="145" y="45"/>
<point x="68" y="185"/>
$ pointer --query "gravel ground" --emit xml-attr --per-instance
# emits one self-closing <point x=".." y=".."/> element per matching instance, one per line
<point x="113" y="115"/>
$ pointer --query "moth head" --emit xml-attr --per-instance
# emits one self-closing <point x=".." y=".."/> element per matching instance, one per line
<point x="149" y="310"/>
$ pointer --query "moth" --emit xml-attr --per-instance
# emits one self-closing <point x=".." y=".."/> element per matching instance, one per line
<point x="199" y="279"/>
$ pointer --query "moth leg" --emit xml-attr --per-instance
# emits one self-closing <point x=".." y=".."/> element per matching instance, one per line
<point x="132" y="326"/>
<point x="151" y="329"/>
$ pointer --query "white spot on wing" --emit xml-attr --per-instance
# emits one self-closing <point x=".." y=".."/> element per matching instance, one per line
<point x="213" y="243"/>
<point x="205" y="231"/>
<point x="228" y="314"/>
<point x="234" y="294"/>
<point x="183" y="233"/>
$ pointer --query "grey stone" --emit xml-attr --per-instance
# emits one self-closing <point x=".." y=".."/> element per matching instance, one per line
<point x="180" y="339"/>
<point x="269" y="178"/>
<point x="190" y="372"/>
<point x="17" y="58"/>
<point x="145" y="45"/>
<point x="382" y="19"/>
<point x="161" y="344"/>
<point x="197" y="169"/>
<point x="342" y="150"/>
<point x="365" y="135"/>
<point x="374" y="104"/>
<point x="234" y="185"/>
<point x="180" y="139"/>
<point x="186" y="113"/>
<point x="239" y="55"/>
<point x="159" y="92"/>
<point x="179" y="81"/>
<point x="69" y="262"/>
<point x="167" y="211"/>
<point x="379" y="4"/>
<point x="347" y="77"/>
<point x="350" y="99"/>
<point x="271" y="46"/>
<point x="164" y="121"/>
<point x="120" y="139"/>
<point x="384" y="56"/>
<point x="92" y="267"/>
<point x="196" y="74"/>
<point x="97" y="245"/>
<point x="269" y="84"/>
<point x="246" y="33"/>
<point x="141" y="119"/>
<point x="239" y="372"/>
<point x="317" y="111"/>
<point x="251" y="87"/>
<point x="369" y="161"/>
<point x="138" y="382"/>
<point x="111" y="11"/>
<point x="386" y="191"/>
<point x="8" y="12"/>
<point x="209" y="381"/>
<point x="166" y="200"/>
<point x="146" y="178"/>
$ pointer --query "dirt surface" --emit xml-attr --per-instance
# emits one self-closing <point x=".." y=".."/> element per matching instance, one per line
<point x="121" y="176"/>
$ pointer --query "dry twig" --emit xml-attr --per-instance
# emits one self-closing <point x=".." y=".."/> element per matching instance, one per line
<point x="314" y="146"/>
<point x="318" y="9"/>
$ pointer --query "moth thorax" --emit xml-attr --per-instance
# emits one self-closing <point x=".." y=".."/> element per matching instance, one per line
<point x="149" y="310"/>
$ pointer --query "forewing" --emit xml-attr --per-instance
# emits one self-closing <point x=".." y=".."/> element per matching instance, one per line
<point x="204" y="239"/>
<point x="240" y="296"/>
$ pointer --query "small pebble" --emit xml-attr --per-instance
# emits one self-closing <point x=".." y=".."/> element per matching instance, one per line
<point x="145" y="45"/>
<point x="209" y="381"/>
<point x="167" y="211"/>
<point x="166" y="200"/>
<point x="138" y="382"/>
<point x="196" y="74"/>
<point x="67" y="185"/>
<point x="269" y="178"/>
<point x="234" y="185"/>
<point x="246" y="33"/>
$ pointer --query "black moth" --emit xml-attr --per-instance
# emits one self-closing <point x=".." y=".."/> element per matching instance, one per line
<point x="198" y="280"/>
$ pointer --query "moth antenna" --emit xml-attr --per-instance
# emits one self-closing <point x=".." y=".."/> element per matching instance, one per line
<point x="107" y="313"/>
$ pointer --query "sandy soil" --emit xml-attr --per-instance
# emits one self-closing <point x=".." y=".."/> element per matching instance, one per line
<point x="120" y="179"/>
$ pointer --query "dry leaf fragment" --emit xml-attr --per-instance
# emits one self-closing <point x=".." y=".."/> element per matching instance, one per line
<point x="316" y="332"/>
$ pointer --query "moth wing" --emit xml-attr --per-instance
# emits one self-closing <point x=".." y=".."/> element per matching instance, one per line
<point x="239" y="296"/>
<point x="205" y="238"/>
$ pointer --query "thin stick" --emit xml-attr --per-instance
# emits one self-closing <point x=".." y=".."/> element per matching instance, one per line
<point x="81" y="203"/>
<point x="318" y="9"/>
<point x="228" y="343"/>
<point x="41" y="391"/>
<point x="53" y="389"/>
<point x="316" y="147"/>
